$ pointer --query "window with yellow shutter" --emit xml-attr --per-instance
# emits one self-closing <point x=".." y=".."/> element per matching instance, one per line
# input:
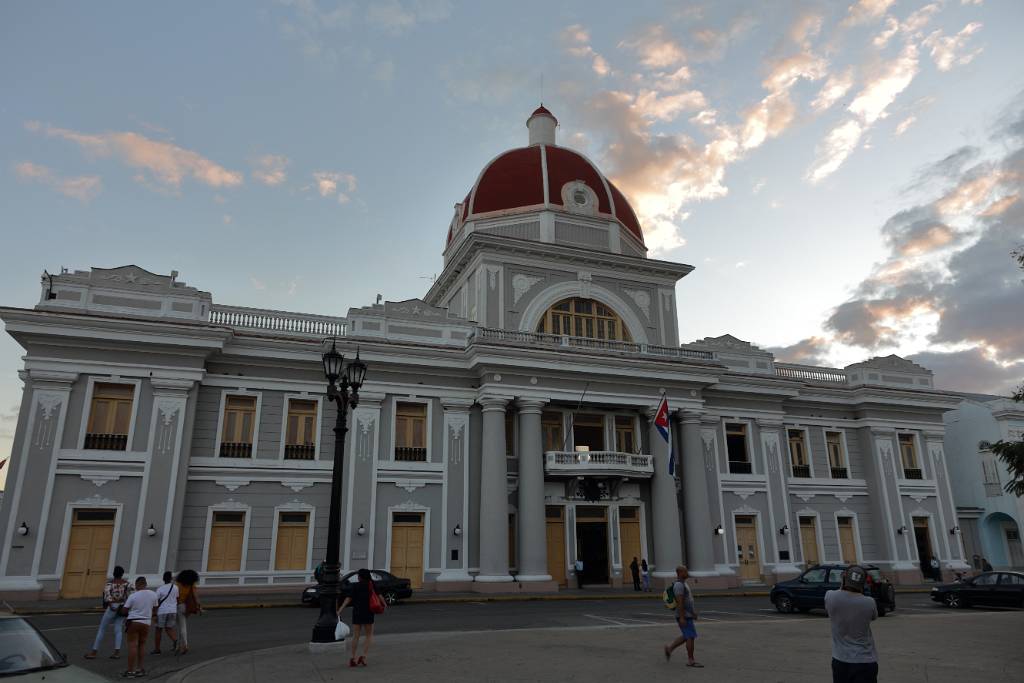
<point x="410" y="432"/>
<point x="551" y="424"/>
<point x="300" y="430"/>
<point x="110" y="415"/>
<point x="239" y="426"/>
<point x="625" y="434"/>
<point x="227" y="533"/>
<point x="292" y="541"/>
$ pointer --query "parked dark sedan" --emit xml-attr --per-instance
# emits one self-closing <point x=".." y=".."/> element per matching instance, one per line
<point x="1005" y="589"/>
<point x="807" y="591"/>
<point x="389" y="587"/>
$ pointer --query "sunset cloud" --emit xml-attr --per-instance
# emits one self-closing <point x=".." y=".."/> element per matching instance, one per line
<point x="162" y="162"/>
<point x="835" y="88"/>
<point x="270" y="169"/>
<point x="865" y="11"/>
<point x="331" y="184"/>
<point x="83" y="188"/>
<point x="576" y="40"/>
<point x="656" y="49"/>
<point x="950" y="51"/>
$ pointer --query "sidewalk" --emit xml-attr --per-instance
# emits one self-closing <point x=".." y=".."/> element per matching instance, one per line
<point x="291" y="599"/>
<point x="911" y="649"/>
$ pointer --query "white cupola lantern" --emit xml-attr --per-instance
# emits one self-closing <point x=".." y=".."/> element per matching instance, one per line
<point x="541" y="125"/>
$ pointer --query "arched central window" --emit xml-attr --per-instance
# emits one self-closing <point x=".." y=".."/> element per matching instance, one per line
<point x="583" y="318"/>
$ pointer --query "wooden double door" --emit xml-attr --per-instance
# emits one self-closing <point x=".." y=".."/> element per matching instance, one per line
<point x="88" y="558"/>
<point x="407" y="547"/>
<point x="748" y="552"/>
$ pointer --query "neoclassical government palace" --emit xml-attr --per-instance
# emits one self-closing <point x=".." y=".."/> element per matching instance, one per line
<point x="505" y="429"/>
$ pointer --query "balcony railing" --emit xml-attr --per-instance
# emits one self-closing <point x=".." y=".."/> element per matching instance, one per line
<point x="912" y="473"/>
<point x="740" y="467"/>
<point x="299" y="451"/>
<point x="840" y="473"/>
<point x="235" y="449"/>
<point x="408" y="454"/>
<point x="106" y="442"/>
<point x="810" y="373"/>
<point x="278" y="321"/>
<point x="489" y="334"/>
<point x="568" y="463"/>
<point x="802" y="471"/>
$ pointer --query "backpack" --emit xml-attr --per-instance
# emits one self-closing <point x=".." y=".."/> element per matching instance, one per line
<point x="669" y="597"/>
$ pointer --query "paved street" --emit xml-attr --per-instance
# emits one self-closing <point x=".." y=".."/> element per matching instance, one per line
<point x="532" y="626"/>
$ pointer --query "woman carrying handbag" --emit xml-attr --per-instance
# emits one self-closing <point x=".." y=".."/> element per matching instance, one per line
<point x="365" y="604"/>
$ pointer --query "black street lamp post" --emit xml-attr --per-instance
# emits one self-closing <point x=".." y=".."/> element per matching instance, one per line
<point x="343" y="388"/>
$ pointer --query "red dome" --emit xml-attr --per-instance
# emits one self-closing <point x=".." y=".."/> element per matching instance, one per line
<point x="514" y="182"/>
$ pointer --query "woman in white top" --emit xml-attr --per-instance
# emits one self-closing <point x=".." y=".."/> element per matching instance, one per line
<point x="139" y="609"/>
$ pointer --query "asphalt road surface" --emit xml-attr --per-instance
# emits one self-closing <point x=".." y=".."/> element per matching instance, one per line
<point x="221" y="632"/>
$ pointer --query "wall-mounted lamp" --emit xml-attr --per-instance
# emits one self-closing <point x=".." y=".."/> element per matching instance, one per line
<point x="784" y="530"/>
<point x="718" y="531"/>
<point x="457" y="530"/>
<point x="954" y="531"/>
<point x="902" y="530"/>
<point x="23" y="529"/>
<point x="361" y="530"/>
<point x="151" y="531"/>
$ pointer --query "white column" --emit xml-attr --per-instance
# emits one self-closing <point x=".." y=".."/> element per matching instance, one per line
<point x="668" y="552"/>
<point x="533" y="550"/>
<point x="700" y="555"/>
<point x="493" y="494"/>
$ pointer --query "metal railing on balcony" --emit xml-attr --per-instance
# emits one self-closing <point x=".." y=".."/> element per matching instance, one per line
<point x="409" y="454"/>
<point x="598" y="462"/>
<point x="299" y="451"/>
<point x="912" y="473"/>
<point x="740" y="467"/>
<point x="235" y="449"/>
<point x="802" y="471"/>
<point x="840" y="473"/>
<point x="106" y="442"/>
<point x="489" y="334"/>
<point x="278" y="321"/>
<point x="810" y="373"/>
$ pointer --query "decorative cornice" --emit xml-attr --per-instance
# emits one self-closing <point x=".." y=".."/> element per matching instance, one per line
<point x="490" y="402"/>
<point x="530" y="405"/>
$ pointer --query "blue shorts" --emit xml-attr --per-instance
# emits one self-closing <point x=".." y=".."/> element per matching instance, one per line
<point x="688" y="629"/>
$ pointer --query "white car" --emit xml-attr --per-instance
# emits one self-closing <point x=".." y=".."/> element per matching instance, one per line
<point x="26" y="655"/>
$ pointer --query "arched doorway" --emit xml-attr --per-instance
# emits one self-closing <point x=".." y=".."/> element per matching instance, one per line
<point x="1001" y="540"/>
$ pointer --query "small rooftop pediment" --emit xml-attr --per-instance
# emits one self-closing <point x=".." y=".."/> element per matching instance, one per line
<point x="890" y="363"/>
<point x="891" y="370"/>
<point x="412" y="320"/>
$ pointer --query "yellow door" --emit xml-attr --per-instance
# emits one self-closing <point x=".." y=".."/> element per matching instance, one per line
<point x="556" y="543"/>
<point x="407" y="547"/>
<point x="629" y="538"/>
<point x="292" y="541"/>
<point x="226" y="537"/>
<point x="85" y="567"/>
<point x="747" y="552"/>
<point x="809" y="541"/>
<point x="846" y="541"/>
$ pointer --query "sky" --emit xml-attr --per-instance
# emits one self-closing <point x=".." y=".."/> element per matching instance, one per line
<point x="844" y="176"/>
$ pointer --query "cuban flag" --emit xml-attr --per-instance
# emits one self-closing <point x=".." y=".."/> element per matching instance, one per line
<point x="661" y="422"/>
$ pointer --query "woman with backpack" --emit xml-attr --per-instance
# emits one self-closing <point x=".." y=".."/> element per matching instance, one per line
<point x="365" y="603"/>
<point x="115" y="593"/>
<point x="188" y="605"/>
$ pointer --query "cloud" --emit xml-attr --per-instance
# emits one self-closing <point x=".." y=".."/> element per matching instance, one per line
<point x="711" y="44"/>
<point x="166" y="164"/>
<point x="270" y="169"/>
<point x="950" y="51"/>
<point x="970" y="371"/>
<point x="656" y="49"/>
<point x="835" y="87"/>
<point x="776" y="111"/>
<point x="870" y="104"/>
<point x="327" y="183"/>
<point x="576" y="40"/>
<point x="398" y="17"/>
<point x="866" y="11"/>
<point x="892" y="27"/>
<point x="83" y="188"/>
<point x="809" y="351"/>
<point x="8" y="422"/>
<point x="904" y="125"/>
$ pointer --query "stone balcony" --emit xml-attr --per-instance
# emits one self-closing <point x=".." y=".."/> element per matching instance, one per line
<point x="278" y="322"/>
<point x="598" y="464"/>
<point x="554" y="341"/>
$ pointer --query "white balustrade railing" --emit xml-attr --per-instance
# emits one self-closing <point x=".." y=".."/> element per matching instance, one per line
<point x="490" y="334"/>
<point x="278" y="321"/>
<point x="598" y="462"/>
<point x="810" y="373"/>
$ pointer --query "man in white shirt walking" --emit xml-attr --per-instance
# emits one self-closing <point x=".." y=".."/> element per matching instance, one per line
<point x="854" y="658"/>
<point x="139" y="609"/>
<point x="166" y="613"/>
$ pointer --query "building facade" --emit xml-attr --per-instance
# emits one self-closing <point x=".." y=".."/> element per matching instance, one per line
<point x="505" y="429"/>
<point x="990" y="519"/>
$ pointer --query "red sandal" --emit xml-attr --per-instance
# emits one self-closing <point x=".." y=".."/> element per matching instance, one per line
<point x="352" y="662"/>
<point x="362" y="661"/>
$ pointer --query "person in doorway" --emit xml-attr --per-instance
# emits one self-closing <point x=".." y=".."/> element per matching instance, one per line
<point x="976" y="563"/>
<point x="854" y="658"/>
<point x="188" y="605"/>
<point x="686" y="615"/>
<point x="138" y="609"/>
<point x="935" y="569"/>
<point x="115" y="592"/>
<point x="166" y="613"/>
<point x="645" y="574"/>
<point x="579" y="572"/>
<point x="985" y="566"/>
<point x="362" y="616"/>
<point x="634" y="570"/>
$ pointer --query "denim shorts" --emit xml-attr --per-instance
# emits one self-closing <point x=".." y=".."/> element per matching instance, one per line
<point x="688" y="629"/>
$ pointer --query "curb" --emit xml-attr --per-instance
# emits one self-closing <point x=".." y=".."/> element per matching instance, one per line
<point x="483" y="597"/>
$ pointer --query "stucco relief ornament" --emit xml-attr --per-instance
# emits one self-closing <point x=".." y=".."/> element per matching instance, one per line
<point x="168" y="409"/>
<point x="772" y="451"/>
<point x="585" y="279"/>
<point x="48" y="401"/>
<point x="521" y="284"/>
<point x="642" y="299"/>
<point x="708" y="439"/>
<point x="492" y="277"/>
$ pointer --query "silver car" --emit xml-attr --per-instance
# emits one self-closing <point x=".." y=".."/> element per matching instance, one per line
<point x="26" y="655"/>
